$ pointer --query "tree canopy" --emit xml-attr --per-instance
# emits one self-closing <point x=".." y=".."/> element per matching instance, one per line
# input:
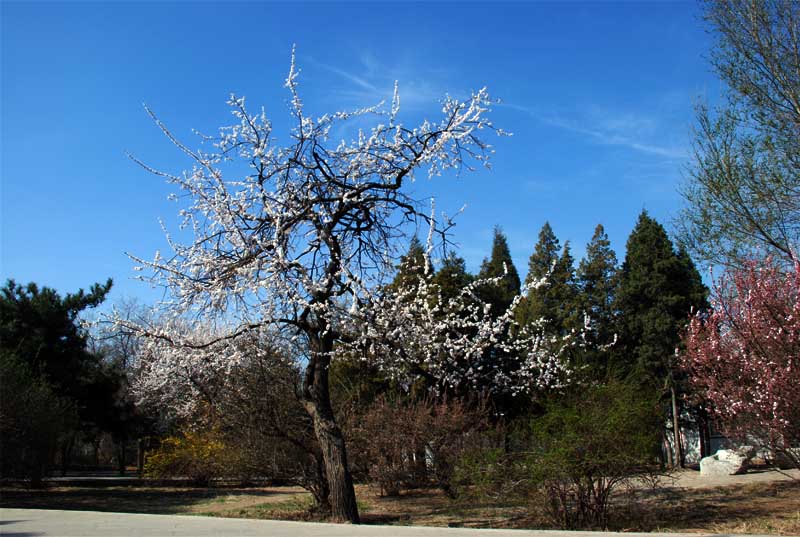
<point x="743" y="357"/>
<point x="658" y="289"/>
<point x="743" y="188"/>
<point x="596" y="280"/>
<point x="41" y="329"/>
<point x="555" y="299"/>
<point x="53" y="385"/>
<point x="298" y="246"/>
<point x="499" y="265"/>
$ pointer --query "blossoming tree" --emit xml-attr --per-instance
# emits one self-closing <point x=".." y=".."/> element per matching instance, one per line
<point x="744" y="356"/>
<point x="296" y="245"/>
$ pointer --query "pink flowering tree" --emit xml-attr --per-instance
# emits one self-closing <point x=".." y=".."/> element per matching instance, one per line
<point x="744" y="356"/>
<point x="290" y="242"/>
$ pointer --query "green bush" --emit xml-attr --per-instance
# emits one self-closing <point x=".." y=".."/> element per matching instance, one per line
<point x="32" y="420"/>
<point x="569" y="462"/>
<point x="586" y="446"/>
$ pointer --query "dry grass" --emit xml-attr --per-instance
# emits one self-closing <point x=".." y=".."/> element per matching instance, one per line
<point x="763" y="507"/>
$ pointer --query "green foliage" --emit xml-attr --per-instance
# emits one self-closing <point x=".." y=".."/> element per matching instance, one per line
<point x="32" y="420"/>
<point x="596" y="279"/>
<point x="572" y="459"/>
<point x="587" y="445"/>
<point x="41" y="329"/>
<point x="45" y="356"/>
<point x="555" y="300"/>
<point x="499" y="264"/>
<point x="411" y="268"/>
<point x="742" y="190"/>
<point x="489" y="470"/>
<point x="452" y="276"/>
<point x="658" y="288"/>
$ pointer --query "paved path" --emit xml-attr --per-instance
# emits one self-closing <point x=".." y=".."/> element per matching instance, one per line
<point x="41" y="522"/>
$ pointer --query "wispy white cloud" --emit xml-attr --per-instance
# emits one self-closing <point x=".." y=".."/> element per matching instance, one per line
<point x="622" y="129"/>
<point x="355" y="79"/>
<point x="370" y="82"/>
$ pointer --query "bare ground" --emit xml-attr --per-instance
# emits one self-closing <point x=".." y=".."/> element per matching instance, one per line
<point x="765" y="502"/>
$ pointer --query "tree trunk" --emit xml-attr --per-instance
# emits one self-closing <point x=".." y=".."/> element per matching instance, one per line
<point x="317" y="401"/>
<point x="666" y="451"/>
<point x="420" y="465"/>
<point x="66" y="453"/>
<point x="121" y="453"/>
<point x="140" y="457"/>
<point x="96" y="458"/>
<point x="678" y="460"/>
<point x="705" y="435"/>
<point x="320" y="489"/>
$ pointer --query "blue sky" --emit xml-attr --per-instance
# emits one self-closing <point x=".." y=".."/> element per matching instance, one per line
<point x="599" y="97"/>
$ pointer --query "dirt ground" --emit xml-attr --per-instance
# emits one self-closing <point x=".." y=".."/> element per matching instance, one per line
<point x="692" y="479"/>
<point x="763" y="502"/>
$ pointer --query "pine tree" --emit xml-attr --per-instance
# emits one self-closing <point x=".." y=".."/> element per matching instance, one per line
<point x="658" y="289"/>
<point x="596" y="282"/>
<point x="412" y="267"/>
<point x="452" y="276"/>
<point x="501" y="295"/>
<point x="555" y="300"/>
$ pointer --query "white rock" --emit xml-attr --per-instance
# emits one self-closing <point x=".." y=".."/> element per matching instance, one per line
<point x="727" y="462"/>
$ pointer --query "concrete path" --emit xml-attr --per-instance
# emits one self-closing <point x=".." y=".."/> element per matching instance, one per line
<point x="40" y="522"/>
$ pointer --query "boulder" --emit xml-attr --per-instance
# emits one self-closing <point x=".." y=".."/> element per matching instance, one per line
<point x="727" y="462"/>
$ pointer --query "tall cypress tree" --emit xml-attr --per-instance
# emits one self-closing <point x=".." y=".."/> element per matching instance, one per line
<point x="411" y="267"/>
<point x="500" y="295"/>
<point x="555" y="300"/>
<point x="596" y="279"/>
<point x="658" y="288"/>
<point x="452" y="276"/>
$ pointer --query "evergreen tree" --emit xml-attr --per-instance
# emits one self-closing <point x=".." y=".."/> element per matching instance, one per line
<point x="452" y="276"/>
<point x="41" y="328"/>
<point x="45" y="363"/>
<point x="501" y="295"/>
<point x="658" y="288"/>
<point x="596" y="283"/>
<point x="545" y="254"/>
<point x="412" y="267"/>
<point x="555" y="300"/>
<point x="698" y="292"/>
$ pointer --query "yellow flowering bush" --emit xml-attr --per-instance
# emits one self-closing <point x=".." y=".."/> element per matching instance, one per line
<point x="198" y="455"/>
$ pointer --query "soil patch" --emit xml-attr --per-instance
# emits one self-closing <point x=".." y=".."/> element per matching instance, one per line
<point x="759" y="502"/>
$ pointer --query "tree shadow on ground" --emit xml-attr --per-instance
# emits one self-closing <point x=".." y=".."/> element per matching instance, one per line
<point x="678" y="509"/>
<point x="121" y="499"/>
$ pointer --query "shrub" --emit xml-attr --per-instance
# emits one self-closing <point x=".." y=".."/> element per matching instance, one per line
<point x="32" y="420"/>
<point x="401" y="443"/>
<point x="200" y="456"/>
<point x="589" y="444"/>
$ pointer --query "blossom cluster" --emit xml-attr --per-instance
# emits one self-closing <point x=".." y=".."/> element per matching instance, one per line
<point x="744" y="355"/>
<point x="283" y="238"/>
<point x="455" y="343"/>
